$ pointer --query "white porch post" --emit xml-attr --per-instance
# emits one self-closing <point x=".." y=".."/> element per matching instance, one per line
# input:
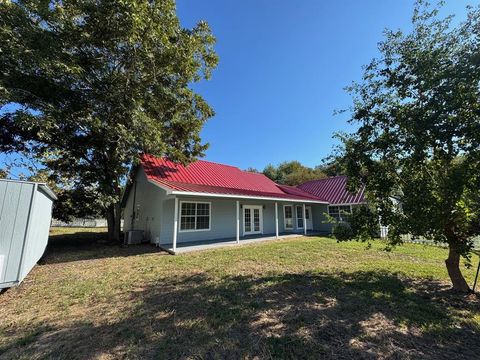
<point x="304" y="220"/>
<point x="276" y="220"/>
<point x="175" y="225"/>
<point x="238" y="222"/>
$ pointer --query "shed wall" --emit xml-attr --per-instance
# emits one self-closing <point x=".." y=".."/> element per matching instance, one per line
<point x="37" y="232"/>
<point x="15" y="198"/>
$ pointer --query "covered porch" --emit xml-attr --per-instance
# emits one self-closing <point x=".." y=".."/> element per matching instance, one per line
<point x="228" y="221"/>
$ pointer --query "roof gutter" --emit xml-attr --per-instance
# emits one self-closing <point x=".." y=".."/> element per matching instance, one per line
<point x="347" y="204"/>
<point x="189" y="193"/>
<point x="47" y="191"/>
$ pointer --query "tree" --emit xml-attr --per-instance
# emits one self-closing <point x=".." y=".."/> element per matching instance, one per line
<point x="331" y="167"/>
<point x="292" y="173"/>
<point x="94" y="83"/>
<point x="3" y="174"/>
<point x="418" y="137"/>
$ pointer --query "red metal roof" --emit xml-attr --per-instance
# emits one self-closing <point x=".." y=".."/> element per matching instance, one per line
<point x="212" y="178"/>
<point x="334" y="190"/>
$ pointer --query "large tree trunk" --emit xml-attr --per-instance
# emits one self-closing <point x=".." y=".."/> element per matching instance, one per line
<point x="113" y="222"/>
<point x="453" y="268"/>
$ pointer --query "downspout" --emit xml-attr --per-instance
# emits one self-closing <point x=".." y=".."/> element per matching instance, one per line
<point x="133" y="205"/>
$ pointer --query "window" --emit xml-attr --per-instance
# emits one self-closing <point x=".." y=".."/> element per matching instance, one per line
<point x="288" y="216"/>
<point x="194" y="216"/>
<point x="299" y="216"/>
<point x="340" y="213"/>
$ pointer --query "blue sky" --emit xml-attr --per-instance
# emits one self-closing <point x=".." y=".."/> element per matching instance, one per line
<point x="283" y="66"/>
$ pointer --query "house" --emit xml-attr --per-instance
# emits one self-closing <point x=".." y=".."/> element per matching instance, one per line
<point x="334" y="190"/>
<point x="176" y="205"/>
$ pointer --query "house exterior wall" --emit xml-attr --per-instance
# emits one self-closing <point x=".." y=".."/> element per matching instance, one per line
<point x="319" y="218"/>
<point x="149" y="200"/>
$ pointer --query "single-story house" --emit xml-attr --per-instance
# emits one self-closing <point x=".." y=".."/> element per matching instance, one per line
<point x="177" y="206"/>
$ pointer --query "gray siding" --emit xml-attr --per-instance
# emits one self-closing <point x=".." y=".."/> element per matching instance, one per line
<point x="319" y="218"/>
<point x="149" y="208"/>
<point x="25" y="214"/>
<point x="37" y="232"/>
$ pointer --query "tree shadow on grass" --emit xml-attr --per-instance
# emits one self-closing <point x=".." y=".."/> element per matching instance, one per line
<point x="307" y="315"/>
<point x="86" y="245"/>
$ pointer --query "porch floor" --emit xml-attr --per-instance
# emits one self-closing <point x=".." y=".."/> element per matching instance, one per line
<point x="184" y="247"/>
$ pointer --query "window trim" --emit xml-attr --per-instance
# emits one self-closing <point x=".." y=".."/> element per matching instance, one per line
<point x="285" y="218"/>
<point x="339" y="213"/>
<point x="296" y="216"/>
<point x="194" y="202"/>
<point x="311" y="217"/>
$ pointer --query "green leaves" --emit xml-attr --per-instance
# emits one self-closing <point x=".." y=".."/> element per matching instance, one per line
<point x="418" y="118"/>
<point x="292" y="173"/>
<point x="100" y="82"/>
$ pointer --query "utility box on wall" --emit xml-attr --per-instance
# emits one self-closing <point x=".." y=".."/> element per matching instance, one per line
<point x="25" y="215"/>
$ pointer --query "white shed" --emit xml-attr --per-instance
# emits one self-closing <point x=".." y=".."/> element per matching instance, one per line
<point x="25" y="215"/>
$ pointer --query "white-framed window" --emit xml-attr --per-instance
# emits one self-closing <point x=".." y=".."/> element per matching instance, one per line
<point x="195" y="216"/>
<point x="299" y="213"/>
<point x="288" y="217"/>
<point x="340" y="212"/>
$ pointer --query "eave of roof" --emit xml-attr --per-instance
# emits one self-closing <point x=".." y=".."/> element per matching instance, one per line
<point x="222" y="192"/>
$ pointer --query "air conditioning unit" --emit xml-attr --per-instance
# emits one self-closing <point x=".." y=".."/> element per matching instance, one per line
<point x="133" y="237"/>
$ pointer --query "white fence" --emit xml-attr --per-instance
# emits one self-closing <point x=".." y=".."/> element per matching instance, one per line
<point x="383" y="232"/>
<point x="86" y="223"/>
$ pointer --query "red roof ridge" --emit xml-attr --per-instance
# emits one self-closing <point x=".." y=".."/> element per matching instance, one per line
<point x="217" y="163"/>
<point x="324" y="179"/>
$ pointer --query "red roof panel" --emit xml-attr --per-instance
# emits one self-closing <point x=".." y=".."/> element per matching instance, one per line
<point x="334" y="190"/>
<point x="213" y="178"/>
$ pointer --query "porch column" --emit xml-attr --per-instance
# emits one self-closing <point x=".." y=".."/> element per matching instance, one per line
<point x="305" y="220"/>
<point x="238" y="222"/>
<point x="175" y="225"/>
<point x="276" y="220"/>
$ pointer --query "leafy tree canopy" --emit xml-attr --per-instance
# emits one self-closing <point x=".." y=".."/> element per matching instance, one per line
<point x="292" y="173"/>
<point x="418" y="140"/>
<point x="87" y="85"/>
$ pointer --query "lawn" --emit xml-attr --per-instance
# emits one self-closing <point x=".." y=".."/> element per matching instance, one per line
<point x="296" y="298"/>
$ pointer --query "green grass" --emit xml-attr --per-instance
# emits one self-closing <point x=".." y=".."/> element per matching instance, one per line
<point x="296" y="298"/>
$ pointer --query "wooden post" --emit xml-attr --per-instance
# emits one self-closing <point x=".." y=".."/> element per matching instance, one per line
<point x="304" y="220"/>
<point x="175" y="225"/>
<point x="276" y="220"/>
<point x="238" y="222"/>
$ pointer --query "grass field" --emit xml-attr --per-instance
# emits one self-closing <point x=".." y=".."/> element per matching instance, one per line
<point x="296" y="298"/>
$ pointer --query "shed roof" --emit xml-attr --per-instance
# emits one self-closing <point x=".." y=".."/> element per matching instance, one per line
<point x="42" y="186"/>
<point x="212" y="178"/>
<point x="334" y="190"/>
